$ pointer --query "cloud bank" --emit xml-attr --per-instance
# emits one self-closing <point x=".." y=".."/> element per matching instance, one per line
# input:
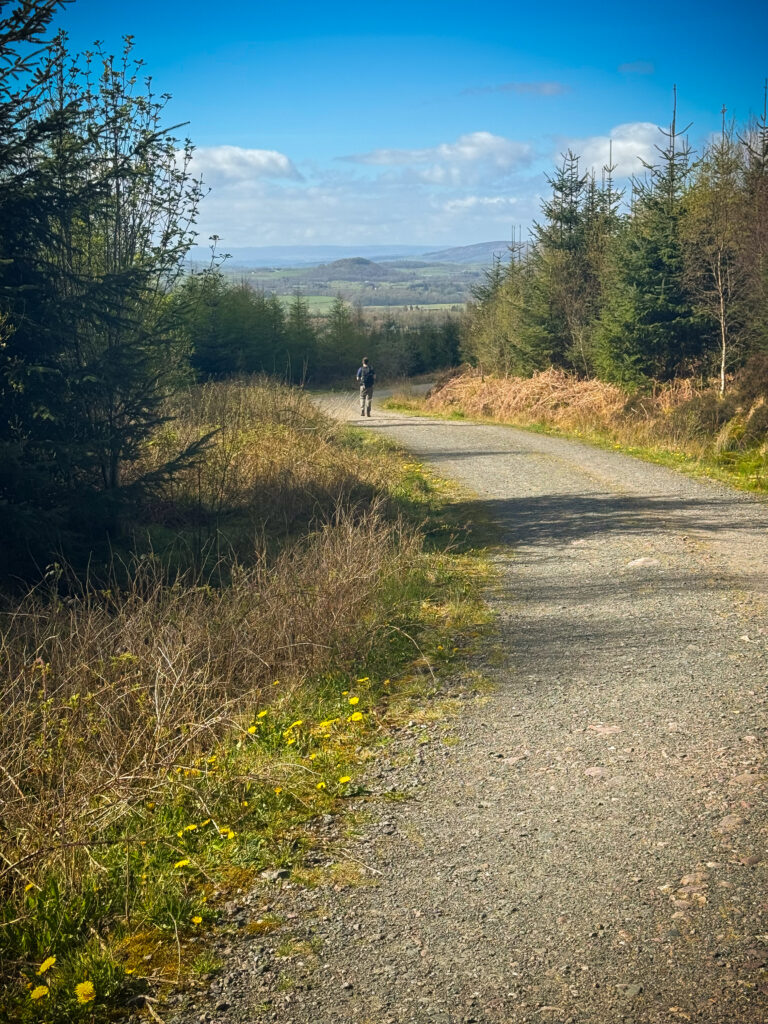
<point x="226" y="165"/>
<point x="471" y="188"/>
<point x="629" y="145"/>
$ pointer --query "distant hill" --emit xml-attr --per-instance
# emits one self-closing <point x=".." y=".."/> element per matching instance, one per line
<point x="287" y="256"/>
<point x="354" y="269"/>
<point x="279" y="256"/>
<point x="481" y="252"/>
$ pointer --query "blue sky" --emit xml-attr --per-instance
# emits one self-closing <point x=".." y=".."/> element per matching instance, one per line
<point x="423" y="123"/>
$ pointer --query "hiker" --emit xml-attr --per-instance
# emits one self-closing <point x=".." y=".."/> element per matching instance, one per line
<point x="366" y="378"/>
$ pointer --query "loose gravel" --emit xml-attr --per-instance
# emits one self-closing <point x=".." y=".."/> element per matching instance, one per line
<point x="592" y="844"/>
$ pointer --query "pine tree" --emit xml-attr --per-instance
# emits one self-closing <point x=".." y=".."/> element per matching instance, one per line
<point x="648" y="325"/>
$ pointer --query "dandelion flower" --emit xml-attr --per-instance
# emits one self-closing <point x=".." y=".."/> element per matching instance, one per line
<point x="262" y="714"/>
<point x="354" y="700"/>
<point x="321" y="785"/>
<point x="251" y="729"/>
<point x="312" y="757"/>
<point x="365" y="679"/>
<point x="180" y="833"/>
<point x="344" y="693"/>
<point x="190" y="828"/>
<point x="244" y="803"/>
<point x="182" y="863"/>
<point x="197" y="920"/>
<point x="150" y="806"/>
<point x="278" y="790"/>
<point x="39" y="992"/>
<point x="85" y="992"/>
<point x="28" y="886"/>
<point x="130" y="970"/>
<point x="345" y="778"/>
<point x="212" y="759"/>
<point x="46" y="965"/>
<point x="356" y="716"/>
<point x="276" y="682"/>
<point x="204" y="823"/>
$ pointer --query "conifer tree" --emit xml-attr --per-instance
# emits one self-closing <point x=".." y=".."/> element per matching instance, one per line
<point x="648" y="325"/>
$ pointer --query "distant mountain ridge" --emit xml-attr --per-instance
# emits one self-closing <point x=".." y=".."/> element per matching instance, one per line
<point x="279" y="256"/>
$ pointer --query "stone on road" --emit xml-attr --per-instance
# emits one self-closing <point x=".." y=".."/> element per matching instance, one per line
<point x="594" y="847"/>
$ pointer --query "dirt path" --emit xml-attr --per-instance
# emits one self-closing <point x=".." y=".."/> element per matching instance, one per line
<point x="595" y="846"/>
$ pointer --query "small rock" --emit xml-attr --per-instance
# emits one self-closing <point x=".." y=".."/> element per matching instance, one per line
<point x="631" y="991"/>
<point x="730" y="823"/>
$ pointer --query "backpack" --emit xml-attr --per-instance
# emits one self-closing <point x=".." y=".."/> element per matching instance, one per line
<point x="367" y="376"/>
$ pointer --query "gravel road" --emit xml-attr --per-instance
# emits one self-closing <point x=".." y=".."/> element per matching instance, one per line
<point x="594" y="848"/>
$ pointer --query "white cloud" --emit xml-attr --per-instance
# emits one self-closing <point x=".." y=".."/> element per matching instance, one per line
<point x="628" y="144"/>
<point x="499" y="203"/>
<point x="228" y="165"/>
<point x="470" y="159"/>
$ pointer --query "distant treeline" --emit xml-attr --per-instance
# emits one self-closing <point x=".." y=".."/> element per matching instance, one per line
<point x="668" y="281"/>
<point x="235" y="329"/>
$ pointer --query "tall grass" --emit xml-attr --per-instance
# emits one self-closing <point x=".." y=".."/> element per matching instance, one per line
<point x="129" y="704"/>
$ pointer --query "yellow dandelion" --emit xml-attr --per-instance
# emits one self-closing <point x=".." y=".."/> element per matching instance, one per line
<point x="278" y="790"/>
<point x="364" y="679"/>
<point x="276" y="682"/>
<point x="130" y="970"/>
<point x="190" y="828"/>
<point x="439" y="647"/>
<point x="356" y="716"/>
<point x="386" y="682"/>
<point x="46" y="965"/>
<point x="344" y="693"/>
<point x="197" y="920"/>
<point x="182" y="863"/>
<point x="244" y="803"/>
<point x="354" y="700"/>
<point x="38" y="992"/>
<point x="321" y="785"/>
<point x="212" y="759"/>
<point x="262" y="714"/>
<point x="291" y="741"/>
<point x="204" y="823"/>
<point x="251" y="729"/>
<point x="180" y="833"/>
<point x="312" y="757"/>
<point x="28" y="886"/>
<point x="328" y="723"/>
<point x="345" y="778"/>
<point x="150" y="806"/>
<point x="85" y="992"/>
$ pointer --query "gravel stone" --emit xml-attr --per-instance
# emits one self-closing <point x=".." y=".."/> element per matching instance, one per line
<point x="519" y="884"/>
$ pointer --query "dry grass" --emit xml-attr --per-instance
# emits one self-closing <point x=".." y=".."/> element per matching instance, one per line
<point x="105" y="693"/>
<point x="680" y="416"/>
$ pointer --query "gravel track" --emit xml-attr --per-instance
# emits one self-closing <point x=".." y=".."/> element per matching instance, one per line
<point x="594" y="847"/>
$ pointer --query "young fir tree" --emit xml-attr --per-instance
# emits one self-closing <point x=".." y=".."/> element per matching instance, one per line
<point x="301" y="338"/>
<point x="649" y="327"/>
<point x="559" y="306"/>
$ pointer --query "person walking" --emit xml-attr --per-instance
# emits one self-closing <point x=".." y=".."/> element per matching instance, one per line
<point x="366" y="378"/>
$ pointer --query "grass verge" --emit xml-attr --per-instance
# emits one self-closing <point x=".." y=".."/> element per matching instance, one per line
<point x="174" y="729"/>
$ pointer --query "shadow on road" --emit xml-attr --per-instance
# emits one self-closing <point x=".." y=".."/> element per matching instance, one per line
<point x="562" y="518"/>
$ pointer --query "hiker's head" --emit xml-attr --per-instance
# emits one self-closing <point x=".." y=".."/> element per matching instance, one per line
<point x="365" y="360"/>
